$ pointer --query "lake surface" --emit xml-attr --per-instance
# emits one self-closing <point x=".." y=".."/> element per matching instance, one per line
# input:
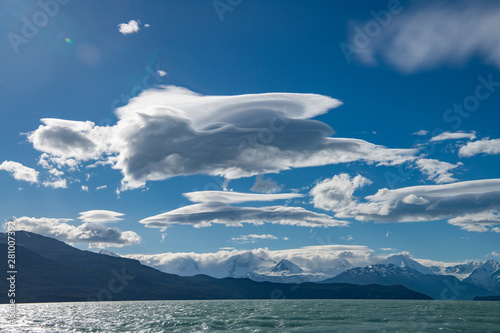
<point x="255" y="316"/>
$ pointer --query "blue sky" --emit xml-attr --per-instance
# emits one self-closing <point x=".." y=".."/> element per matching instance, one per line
<point x="370" y="96"/>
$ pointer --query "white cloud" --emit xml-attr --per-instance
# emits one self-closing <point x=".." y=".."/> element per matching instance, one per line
<point x="337" y="192"/>
<point x="19" y="171"/>
<point x="388" y="249"/>
<point x="129" y="28"/>
<point x="206" y="214"/>
<point x="147" y="25"/>
<point x="85" y="188"/>
<point x="100" y="216"/>
<point x="57" y="183"/>
<point x="252" y="238"/>
<point x="494" y="253"/>
<point x="484" y="146"/>
<point x="312" y="259"/>
<point x="437" y="171"/>
<point x="443" y="33"/>
<point x="103" y="187"/>
<point x="453" y="136"/>
<point x="237" y="197"/>
<point x="421" y="132"/>
<point x="265" y="185"/>
<point x="94" y="234"/>
<point x="67" y="139"/>
<point x="171" y="131"/>
<point x="56" y="173"/>
<point x="161" y="73"/>
<point x="471" y="205"/>
<point x="412" y="199"/>
<point x="476" y="221"/>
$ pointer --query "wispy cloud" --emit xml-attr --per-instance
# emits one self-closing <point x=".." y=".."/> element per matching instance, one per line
<point x="237" y="197"/>
<point x="265" y="185"/>
<point x="437" y="171"/>
<point x="252" y="238"/>
<point x="100" y="216"/>
<point x="56" y="183"/>
<point x="442" y="33"/>
<point x="454" y="136"/>
<point x="19" y="171"/>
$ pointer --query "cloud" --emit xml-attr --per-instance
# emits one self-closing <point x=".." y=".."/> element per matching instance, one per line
<point x="70" y="140"/>
<point x="337" y="192"/>
<point x="19" y="171"/>
<point x="421" y="132"/>
<point x="471" y="205"/>
<point x="265" y="185"/>
<point x="161" y="73"/>
<point x="412" y="199"/>
<point x="442" y="33"/>
<point x="163" y="133"/>
<point x="476" y="221"/>
<point x="494" y="253"/>
<point x="85" y="188"/>
<point x="453" y="136"/>
<point x="252" y="238"/>
<point x="100" y="216"/>
<point x="312" y="259"/>
<point x="437" y="171"/>
<point x="129" y="28"/>
<point x="237" y="197"/>
<point x="94" y="234"/>
<point x="484" y="146"/>
<point x="206" y="214"/>
<point x="57" y="183"/>
<point x="103" y="187"/>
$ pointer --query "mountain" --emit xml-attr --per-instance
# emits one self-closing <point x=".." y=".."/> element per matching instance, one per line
<point x="109" y="253"/>
<point x="401" y="260"/>
<point x="286" y="266"/>
<point x="436" y="286"/>
<point x="52" y="271"/>
<point x="486" y="275"/>
<point x="254" y="265"/>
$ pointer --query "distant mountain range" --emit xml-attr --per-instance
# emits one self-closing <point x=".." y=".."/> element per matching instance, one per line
<point x="50" y="270"/>
<point x="462" y="281"/>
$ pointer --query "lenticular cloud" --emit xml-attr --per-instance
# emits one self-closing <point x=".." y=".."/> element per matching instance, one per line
<point x="171" y="131"/>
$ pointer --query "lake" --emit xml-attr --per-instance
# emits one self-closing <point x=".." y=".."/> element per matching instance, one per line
<point x="255" y="316"/>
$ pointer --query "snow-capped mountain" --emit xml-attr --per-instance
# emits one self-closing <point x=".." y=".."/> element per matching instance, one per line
<point x="402" y="260"/>
<point x="486" y="275"/>
<point x="109" y="253"/>
<point x="259" y="265"/>
<point x="436" y="286"/>
<point x="286" y="266"/>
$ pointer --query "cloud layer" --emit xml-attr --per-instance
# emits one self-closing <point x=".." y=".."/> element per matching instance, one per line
<point x="100" y="216"/>
<point x="171" y="131"/>
<point x="237" y="197"/>
<point x="472" y="205"/>
<point x="206" y="214"/>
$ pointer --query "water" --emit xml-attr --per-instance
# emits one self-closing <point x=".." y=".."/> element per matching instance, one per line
<point x="255" y="316"/>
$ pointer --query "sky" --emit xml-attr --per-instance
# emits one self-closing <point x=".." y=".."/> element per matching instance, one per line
<point x="148" y="127"/>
